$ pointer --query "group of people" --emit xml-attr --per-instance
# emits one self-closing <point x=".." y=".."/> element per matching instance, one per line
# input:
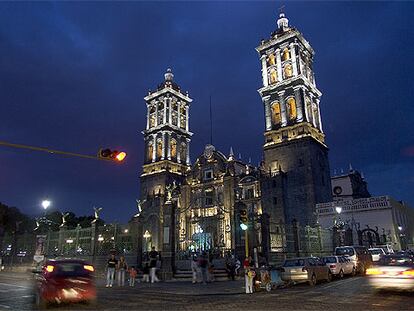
<point x="202" y="269"/>
<point x="120" y="269"/>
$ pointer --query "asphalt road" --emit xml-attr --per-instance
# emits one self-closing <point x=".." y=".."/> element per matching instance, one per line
<point x="350" y="294"/>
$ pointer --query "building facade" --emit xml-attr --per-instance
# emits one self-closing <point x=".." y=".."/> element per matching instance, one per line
<point x="369" y="221"/>
<point x="196" y="207"/>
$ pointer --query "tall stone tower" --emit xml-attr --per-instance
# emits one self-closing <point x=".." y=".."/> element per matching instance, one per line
<point x="294" y="138"/>
<point x="167" y="143"/>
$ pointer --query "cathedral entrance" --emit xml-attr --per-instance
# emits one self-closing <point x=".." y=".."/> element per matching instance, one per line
<point x="202" y="242"/>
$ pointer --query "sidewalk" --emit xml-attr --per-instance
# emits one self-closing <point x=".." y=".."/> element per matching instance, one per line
<point x="187" y="288"/>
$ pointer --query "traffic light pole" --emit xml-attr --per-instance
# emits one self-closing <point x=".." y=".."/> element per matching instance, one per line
<point x="246" y="243"/>
<point x="51" y="151"/>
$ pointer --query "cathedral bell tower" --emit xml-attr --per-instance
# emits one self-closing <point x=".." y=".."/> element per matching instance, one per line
<point x="167" y="137"/>
<point x="294" y="139"/>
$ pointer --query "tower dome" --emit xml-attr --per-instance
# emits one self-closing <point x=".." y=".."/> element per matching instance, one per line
<point x="169" y="75"/>
<point x="282" y="22"/>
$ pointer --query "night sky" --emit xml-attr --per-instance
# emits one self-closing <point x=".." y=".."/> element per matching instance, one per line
<point x="73" y="77"/>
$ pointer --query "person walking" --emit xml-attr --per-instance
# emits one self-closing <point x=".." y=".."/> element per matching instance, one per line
<point x="110" y="273"/>
<point x="145" y="272"/>
<point x="194" y="268"/>
<point x="132" y="276"/>
<point x="203" y="265"/>
<point x="154" y="257"/>
<point x="249" y="275"/>
<point x="122" y="269"/>
<point x="231" y="267"/>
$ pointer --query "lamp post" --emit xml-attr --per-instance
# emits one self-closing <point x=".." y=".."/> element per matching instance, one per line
<point x="338" y="224"/>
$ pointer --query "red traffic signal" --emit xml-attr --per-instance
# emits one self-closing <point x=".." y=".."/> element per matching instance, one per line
<point x="114" y="155"/>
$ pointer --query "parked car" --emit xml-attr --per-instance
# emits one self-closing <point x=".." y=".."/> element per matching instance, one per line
<point x="339" y="265"/>
<point x="376" y="253"/>
<point x="305" y="269"/>
<point x="359" y="255"/>
<point x="64" y="280"/>
<point x="393" y="272"/>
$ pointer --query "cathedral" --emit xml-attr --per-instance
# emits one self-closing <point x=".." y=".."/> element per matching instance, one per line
<point x="189" y="206"/>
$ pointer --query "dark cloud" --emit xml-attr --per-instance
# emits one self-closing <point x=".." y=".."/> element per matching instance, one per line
<point x="73" y="76"/>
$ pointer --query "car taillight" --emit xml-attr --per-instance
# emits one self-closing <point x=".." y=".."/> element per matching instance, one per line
<point x="332" y="266"/>
<point x="89" y="268"/>
<point x="50" y="268"/>
<point x="373" y="271"/>
<point x="408" y="272"/>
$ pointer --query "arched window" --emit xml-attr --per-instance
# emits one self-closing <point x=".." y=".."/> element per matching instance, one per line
<point x="273" y="75"/>
<point x="271" y="60"/>
<point x="285" y="54"/>
<point x="152" y="120"/>
<point x="183" y="153"/>
<point x="159" y="148"/>
<point x="276" y="116"/>
<point x="288" y="71"/>
<point x="173" y="147"/>
<point x="291" y="108"/>
<point x="150" y="150"/>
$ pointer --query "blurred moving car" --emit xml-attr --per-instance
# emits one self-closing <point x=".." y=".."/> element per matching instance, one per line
<point x="359" y="255"/>
<point x="393" y="272"/>
<point x="64" y="280"/>
<point x="376" y="253"/>
<point x="339" y="265"/>
<point x="305" y="269"/>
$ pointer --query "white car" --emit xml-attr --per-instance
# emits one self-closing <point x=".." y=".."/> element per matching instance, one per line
<point x="376" y="253"/>
<point x="339" y="265"/>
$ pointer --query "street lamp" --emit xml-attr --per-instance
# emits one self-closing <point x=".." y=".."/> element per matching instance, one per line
<point x="46" y="204"/>
<point x="338" y="209"/>
<point x="400" y="228"/>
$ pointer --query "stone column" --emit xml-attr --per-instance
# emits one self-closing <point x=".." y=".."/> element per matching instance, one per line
<point x="154" y="149"/>
<point x="163" y="146"/>
<point x="165" y="110"/>
<point x="299" y="104"/>
<point x="179" y="149"/>
<point x="156" y="113"/>
<point x="293" y="57"/>
<point x="148" y="116"/>
<point x="279" y="65"/>
<point x="169" y="147"/>
<point x="282" y="108"/>
<point x="264" y="70"/>
<point x="187" y="116"/>
<point x="305" y="108"/>
<point x="268" y="113"/>
<point x="312" y="102"/>
<point x="168" y="242"/>
<point x="178" y="114"/>
<point x="319" y="114"/>
<point x="188" y="151"/>
<point x="170" y="111"/>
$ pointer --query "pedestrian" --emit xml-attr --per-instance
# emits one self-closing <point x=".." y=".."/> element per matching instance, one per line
<point x="203" y="265"/>
<point x="231" y="267"/>
<point x="122" y="269"/>
<point x="145" y="272"/>
<point x="132" y="276"/>
<point x="110" y="267"/>
<point x="194" y="268"/>
<point x="238" y="265"/>
<point x="154" y="257"/>
<point x="249" y="274"/>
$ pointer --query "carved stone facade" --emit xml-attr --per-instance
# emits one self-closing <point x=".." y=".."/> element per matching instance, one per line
<point x="202" y="213"/>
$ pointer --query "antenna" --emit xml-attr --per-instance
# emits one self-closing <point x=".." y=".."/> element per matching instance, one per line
<point x="211" y="124"/>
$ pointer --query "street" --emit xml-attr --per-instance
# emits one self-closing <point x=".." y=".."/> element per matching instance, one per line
<point x="347" y="294"/>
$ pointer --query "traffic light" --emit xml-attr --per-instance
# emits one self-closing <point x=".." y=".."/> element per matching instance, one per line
<point x="115" y="155"/>
<point x="243" y="219"/>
